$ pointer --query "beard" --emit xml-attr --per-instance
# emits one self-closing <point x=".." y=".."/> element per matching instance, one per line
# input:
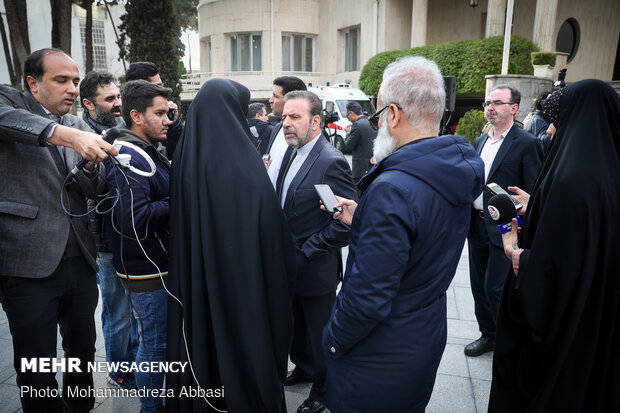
<point x="299" y="141"/>
<point x="384" y="144"/>
<point x="105" y="118"/>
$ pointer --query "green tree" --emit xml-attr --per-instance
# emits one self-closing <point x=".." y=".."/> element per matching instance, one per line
<point x="468" y="60"/>
<point x="188" y="16"/>
<point x="471" y="124"/>
<point x="150" y="31"/>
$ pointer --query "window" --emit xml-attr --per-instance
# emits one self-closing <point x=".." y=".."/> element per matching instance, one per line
<point x="100" y="62"/>
<point x="568" y="38"/>
<point x="351" y="49"/>
<point x="298" y="53"/>
<point x="245" y="52"/>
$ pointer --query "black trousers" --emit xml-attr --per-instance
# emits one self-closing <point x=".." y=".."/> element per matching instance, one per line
<point x="488" y="269"/>
<point x="310" y="315"/>
<point x="34" y="307"/>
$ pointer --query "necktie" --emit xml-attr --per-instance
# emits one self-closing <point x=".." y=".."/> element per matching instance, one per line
<point x="286" y="161"/>
<point x="284" y="173"/>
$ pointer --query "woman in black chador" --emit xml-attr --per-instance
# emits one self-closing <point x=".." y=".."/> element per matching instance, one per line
<point x="231" y="264"/>
<point x="557" y="347"/>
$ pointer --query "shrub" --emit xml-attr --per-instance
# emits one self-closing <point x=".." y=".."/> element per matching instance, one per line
<point x="471" y="124"/>
<point x="468" y="60"/>
<point x="543" y="58"/>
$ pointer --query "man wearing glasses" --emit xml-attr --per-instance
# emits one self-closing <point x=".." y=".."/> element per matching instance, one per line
<point x="512" y="157"/>
<point x="388" y="328"/>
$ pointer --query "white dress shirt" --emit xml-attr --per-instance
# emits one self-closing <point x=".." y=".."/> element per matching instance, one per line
<point x="300" y="156"/>
<point x="489" y="151"/>
<point x="277" y="151"/>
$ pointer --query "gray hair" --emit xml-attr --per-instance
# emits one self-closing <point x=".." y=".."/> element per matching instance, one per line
<point x="417" y="85"/>
<point x="316" y="107"/>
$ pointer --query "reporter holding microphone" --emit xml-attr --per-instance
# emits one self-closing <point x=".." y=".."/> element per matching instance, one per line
<point x="558" y="329"/>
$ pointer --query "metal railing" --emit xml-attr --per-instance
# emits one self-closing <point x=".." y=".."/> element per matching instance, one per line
<point x="257" y="82"/>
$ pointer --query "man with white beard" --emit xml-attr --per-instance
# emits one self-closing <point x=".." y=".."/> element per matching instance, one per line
<point x="387" y="331"/>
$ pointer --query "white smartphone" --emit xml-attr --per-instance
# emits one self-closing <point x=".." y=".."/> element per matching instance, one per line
<point x="327" y="197"/>
<point x="496" y="189"/>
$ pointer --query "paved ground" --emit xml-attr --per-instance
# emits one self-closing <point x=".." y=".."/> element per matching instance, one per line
<point x="462" y="383"/>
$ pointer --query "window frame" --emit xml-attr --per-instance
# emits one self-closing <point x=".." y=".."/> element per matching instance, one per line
<point x="291" y="53"/>
<point x="345" y="36"/>
<point x="237" y="59"/>
<point x="100" y="61"/>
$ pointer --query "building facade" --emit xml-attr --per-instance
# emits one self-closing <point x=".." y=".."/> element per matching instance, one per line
<point x="105" y="49"/>
<point x="328" y="41"/>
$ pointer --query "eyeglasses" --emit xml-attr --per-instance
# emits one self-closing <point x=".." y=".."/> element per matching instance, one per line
<point x="374" y="119"/>
<point x="496" y="103"/>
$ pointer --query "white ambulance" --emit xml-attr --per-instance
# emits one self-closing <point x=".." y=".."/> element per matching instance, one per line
<point x="335" y="99"/>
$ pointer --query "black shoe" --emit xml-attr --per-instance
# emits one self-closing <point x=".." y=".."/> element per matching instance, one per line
<point x="483" y="345"/>
<point x="297" y="376"/>
<point x="311" y="406"/>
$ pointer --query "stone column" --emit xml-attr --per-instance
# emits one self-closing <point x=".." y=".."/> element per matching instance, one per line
<point x="544" y="24"/>
<point x="419" y="12"/>
<point x="496" y="18"/>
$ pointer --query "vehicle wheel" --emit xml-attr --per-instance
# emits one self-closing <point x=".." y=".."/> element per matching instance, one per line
<point x="338" y="142"/>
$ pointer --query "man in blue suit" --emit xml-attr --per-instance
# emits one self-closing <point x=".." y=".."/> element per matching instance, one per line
<point x="317" y="237"/>
<point x="511" y="157"/>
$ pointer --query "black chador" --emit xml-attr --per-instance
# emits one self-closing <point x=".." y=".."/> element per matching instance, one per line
<point x="232" y="263"/>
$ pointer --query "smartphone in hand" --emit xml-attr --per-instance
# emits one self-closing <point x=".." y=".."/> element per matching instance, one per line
<point x="327" y="197"/>
<point x="496" y="189"/>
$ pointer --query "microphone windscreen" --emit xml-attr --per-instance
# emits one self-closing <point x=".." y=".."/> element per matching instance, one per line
<point x="501" y="208"/>
<point x="110" y="135"/>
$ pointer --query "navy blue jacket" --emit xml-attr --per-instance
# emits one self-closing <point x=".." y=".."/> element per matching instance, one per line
<point x="387" y="331"/>
<point x="151" y="211"/>
<point x="264" y="130"/>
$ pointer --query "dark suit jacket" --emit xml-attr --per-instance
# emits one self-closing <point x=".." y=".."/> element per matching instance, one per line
<point x="516" y="164"/>
<point x="34" y="229"/>
<point x="263" y="129"/>
<point x="317" y="236"/>
<point x="359" y="142"/>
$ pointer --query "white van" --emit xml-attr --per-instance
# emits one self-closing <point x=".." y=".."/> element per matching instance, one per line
<point x="335" y="99"/>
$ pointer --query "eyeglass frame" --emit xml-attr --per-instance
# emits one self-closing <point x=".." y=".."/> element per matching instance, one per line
<point x="374" y="119"/>
<point x="495" y="103"/>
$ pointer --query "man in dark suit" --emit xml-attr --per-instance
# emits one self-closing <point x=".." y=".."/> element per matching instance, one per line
<point x="359" y="140"/>
<point x="512" y="157"/>
<point x="317" y="237"/>
<point x="277" y="144"/>
<point x="259" y="126"/>
<point x="47" y="257"/>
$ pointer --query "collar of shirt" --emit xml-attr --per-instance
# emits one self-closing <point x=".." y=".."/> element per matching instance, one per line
<point x="305" y="150"/>
<point x="296" y="163"/>
<point x="502" y="135"/>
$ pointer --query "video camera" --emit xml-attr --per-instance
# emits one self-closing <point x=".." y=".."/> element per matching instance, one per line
<point x="329" y="117"/>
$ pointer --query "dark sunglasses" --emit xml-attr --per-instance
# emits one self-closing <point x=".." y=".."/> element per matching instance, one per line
<point x="374" y="119"/>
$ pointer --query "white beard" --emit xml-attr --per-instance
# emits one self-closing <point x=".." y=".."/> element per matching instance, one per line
<point x="384" y="145"/>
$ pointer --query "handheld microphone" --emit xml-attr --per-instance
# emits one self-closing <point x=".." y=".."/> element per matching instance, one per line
<point x="108" y="135"/>
<point x="502" y="210"/>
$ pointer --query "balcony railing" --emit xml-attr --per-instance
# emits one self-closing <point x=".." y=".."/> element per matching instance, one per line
<point x="259" y="83"/>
